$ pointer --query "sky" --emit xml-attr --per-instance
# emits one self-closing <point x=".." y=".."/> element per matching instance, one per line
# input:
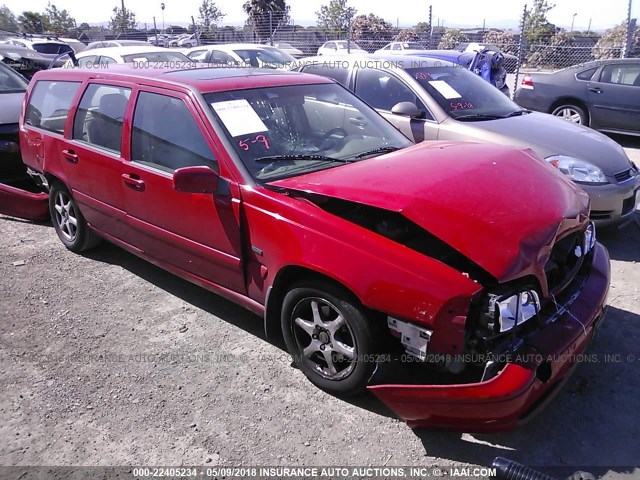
<point x="404" y="13"/>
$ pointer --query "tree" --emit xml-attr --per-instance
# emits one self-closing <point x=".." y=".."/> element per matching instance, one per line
<point x="266" y="16"/>
<point x="612" y="41"/>
<point x="422" y="27"/>
<point x="451" y="39"/>
<point x="537" y="28"/>
<point x="59" y="20"/>
<point x="33" y="22"/>
<point x="122" y="20"/>
<point x="8" y="20"/>
<point x="505" y="41"/>
<point x="558" y="54"/>
<point x="335" y="17"/>
<point x="209" y="15"/>
<point x="371" y="27"/>
<point x="407" y="35"/>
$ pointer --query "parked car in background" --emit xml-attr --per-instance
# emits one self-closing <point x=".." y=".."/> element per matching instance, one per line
<point x="604" y="95"/>
<point x="340" y="47"/>
<point x="288" y="49"/>
<point x="159" y="40"/>
<point x="510" y="61"/>
<point x="24" y="60"/>
<point x="19" y="195"/>
<point x="429" y="99"/>
<point x="402" y="48"/>
<point x="188" y="41"/>
<point x="447" y="260"/>
<point x="43" y="46"/>
<point x="176" y="39"/>
<point x="240" y="54"/>
<point x="139" y="54"/>
<point x="116" y="43"/>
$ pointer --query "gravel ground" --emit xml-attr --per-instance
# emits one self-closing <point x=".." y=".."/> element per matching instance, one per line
<point x="108" y="360"/>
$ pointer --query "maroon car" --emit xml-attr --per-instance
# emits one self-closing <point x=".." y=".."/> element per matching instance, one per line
<point x="287" y="194"/>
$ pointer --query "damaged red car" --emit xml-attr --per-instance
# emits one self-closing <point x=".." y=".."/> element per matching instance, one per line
<point x="474" y="266"/>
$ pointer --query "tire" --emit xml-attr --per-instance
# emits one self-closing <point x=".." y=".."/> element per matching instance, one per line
<point x="68" y="221"/>
<point x="339" y="358"/>
<point x="572" y="113"/>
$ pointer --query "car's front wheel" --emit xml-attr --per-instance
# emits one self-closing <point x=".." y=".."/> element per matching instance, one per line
<point x="329" y="336"/>
<point x="572" y="113"/>
<point x="68" y="221"/>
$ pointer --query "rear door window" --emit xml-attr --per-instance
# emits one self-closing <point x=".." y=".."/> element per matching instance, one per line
<point x="100" y="116"/>
<point x="621" y="75"/>
<point x="49" y="104"/>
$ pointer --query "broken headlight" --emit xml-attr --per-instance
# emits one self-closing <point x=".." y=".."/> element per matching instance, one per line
<point x="509" y="311"/>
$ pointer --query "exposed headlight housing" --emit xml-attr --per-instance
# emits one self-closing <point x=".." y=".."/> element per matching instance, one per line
<point x="589" y="238"/>
<point x="510" y="311"/>
<point x="578" y="170"/>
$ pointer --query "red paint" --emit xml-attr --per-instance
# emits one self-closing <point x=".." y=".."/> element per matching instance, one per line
<point x="16" y="202"/>
<point x="476" y="198"/>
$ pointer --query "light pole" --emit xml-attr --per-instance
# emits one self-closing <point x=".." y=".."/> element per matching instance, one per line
<point x="162" y="8"/>
<point x="573" y="19"/>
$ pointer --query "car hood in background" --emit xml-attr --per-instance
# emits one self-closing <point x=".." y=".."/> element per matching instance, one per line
<point x="10" y="105"/>
<point x="496" y="205"/>
<point x="546" y="135"/>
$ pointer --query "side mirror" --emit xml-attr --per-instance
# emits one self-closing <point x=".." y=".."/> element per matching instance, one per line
<point x="195" y="180"/>
<point x="406" y="109"/>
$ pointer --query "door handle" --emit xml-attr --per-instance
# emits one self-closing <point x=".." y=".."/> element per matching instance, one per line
<point x="133" y="181"/>
<point x="595" y="90"/>
<point x="70" y="156"/>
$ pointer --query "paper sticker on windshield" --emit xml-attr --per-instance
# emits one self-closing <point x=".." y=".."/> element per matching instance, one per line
<point x="239" y="117"/>
<point x="446" y="90"/>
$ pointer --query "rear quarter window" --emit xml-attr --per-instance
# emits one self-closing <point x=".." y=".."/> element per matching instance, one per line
<point x="586" y="74"/>
<point x="49" y="104"/>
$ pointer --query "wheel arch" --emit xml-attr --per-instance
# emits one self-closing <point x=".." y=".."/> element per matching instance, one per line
<point x="284" y="279"/>
<point x="570" y="100"/>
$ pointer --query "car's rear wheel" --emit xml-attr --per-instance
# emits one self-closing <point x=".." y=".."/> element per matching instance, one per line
<point x="572" y="113"/>
<point x="68" y="221"/>
<point x="329" y="337"/>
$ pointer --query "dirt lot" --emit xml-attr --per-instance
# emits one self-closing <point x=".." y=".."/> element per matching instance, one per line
<point x="108" y="360"/>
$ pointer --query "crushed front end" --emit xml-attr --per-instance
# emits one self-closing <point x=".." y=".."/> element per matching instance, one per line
<point x="522" y="339"/>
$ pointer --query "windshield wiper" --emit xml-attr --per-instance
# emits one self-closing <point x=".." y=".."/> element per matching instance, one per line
<point x="517" y="113"/>
<point x="322" y="158"/>
<point x="377" y="150"/>
<point x="477" y="116"/>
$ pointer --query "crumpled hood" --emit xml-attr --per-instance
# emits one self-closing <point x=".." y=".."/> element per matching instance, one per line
<point x="548" y="135"/>
<point x="496" y="205"/>
<point x="10" y="105"/>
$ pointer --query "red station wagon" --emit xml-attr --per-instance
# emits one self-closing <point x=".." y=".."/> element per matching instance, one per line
<point x="285" y="193"/>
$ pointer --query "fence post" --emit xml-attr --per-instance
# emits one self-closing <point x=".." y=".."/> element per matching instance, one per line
<point x="271" y="27"/>
<point x="631" y="26"/>
<point x="520" y="41"/>
<point x="430" y="27"/>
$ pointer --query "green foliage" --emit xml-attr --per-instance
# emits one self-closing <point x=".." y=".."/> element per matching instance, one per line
<point x="210" y="14"/>
<point x="613" y="40"/>
<point x="451" y="39"/>
<point x="557" y="54"/>
<point x="422" y="27"/>
<point x="258" y="16"/>
<point x="33" y="22"/>
<point x="371" y="27"/>
<point x="407" y="35"/>
<point x="537" y="29"/>
<point x="59" y="21"/>
<point x="122" y="20"/>
<point x="335" y="17"/>
<point x="8" y="20"/>
<point x="506" y="42"/>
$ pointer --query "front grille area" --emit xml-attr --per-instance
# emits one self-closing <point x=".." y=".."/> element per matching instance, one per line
<point x="567" y="256"/>
<point x="629" y="204"/>
<point x="624" y="176"/>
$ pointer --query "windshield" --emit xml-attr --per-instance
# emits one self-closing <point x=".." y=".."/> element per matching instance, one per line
<point x="460" y="93"/>
<point x="322" y="126"/>
<point x="10" y="81"/>
<point x="167" y="56"/>
<point x="281" y="55"/>
<point x="260" y="58"/>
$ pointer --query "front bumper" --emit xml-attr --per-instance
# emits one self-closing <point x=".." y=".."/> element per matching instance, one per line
<point x="611" y="204"/>
<point x="524" y="386"/>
